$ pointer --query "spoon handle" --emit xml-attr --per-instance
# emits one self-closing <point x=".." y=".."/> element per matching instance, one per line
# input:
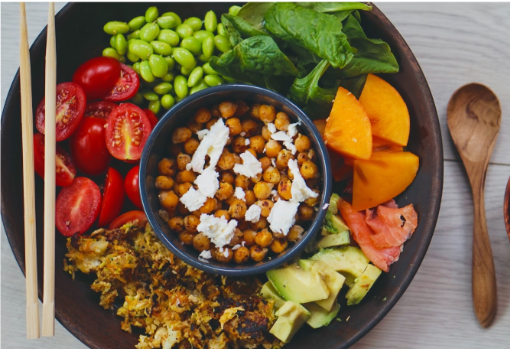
<point x="484" y="277"/>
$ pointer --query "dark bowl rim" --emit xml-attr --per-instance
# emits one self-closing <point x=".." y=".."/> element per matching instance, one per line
<point x="261" y="267"/>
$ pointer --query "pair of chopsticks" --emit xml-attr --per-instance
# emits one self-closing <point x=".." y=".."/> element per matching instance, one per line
<point x="32" y="311"/>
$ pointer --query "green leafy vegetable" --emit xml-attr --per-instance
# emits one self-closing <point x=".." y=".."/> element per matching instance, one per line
<point x="239" y="28"/>
<point x="340" y="10"/>
<point x="253" y="13"/>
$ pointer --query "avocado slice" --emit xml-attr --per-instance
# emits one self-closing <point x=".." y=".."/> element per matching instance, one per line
<point x="334" y="281"/>
<point x="334" y="224"/>
<point x="295" y="284"/>
<point x="291" y="317"/>
<point x="320" y="317"/>
<point x="346" y="259"/>
<point x="268" y="292"/>
<point x="362" y="285"/>
<point x="343" y="238"/>
<point x="333" y="203"/>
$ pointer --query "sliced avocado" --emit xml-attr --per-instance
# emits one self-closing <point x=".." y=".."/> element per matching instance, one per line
<point x="295" y="284"/>
<point x="343" y="238"/>
<point x="320" y="317"/>
<point x="362" y="285"/>
<point x="349" y="279"/>
<point x="291" y="316"/>
<point x="334" y="281"/>
<point x="333" y="203"/>
<point x="346" y="259"/>
<point x="268" y="292"/>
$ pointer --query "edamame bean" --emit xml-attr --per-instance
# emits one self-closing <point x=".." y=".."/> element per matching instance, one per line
<point x="208" y="47"/>
<point x="167" y="101"/>
<point x="134" y="35"/>
<point x="227" y="79"/>
<point x="221" y="30"/>
<point x="150" y="96"/>
<point x="111" y="52"/>
<point x="201" y="86"/>
<point x="184" y="57"/>
<point x="191" y="44"/>
<point x="170" y="61"/>
<point x="136" y="67"/>
<point x="202" y="34"/>
<point x="184" y="30"/>
<point x="203" y="58"/>
<point x="146" y="72"/>
<point x="112" y="41"/>
<point x="161" y="48"/>
<point x="210" y="21"/>
<point x="222" y="43"/>
<point x="132" y="57"/>
<point x="181" y="86"/>
<point x="163" y="88"/>
<point x="169" y="36"/>
<point x="167" y="22"/>
<point x="114" y="28"/>
<point x="213" y="80"/>
<point x="151" y="14"/>
<point x="149" y="32"/>
<point x="194" y="22"/>
<point x="136" y="23"/>
<point x="234" y="10"/>
<point x="186" y="71"/>
<point x="155" y="106"/>
<point x="120" y="44"/>
<point x="195" y="76"/>
<point x="209" y="70"/>
<point x="168" y="77"/>
<point x="141" y="48"/>
<point x="178" y="20"/>
<point x="159" y="66"/>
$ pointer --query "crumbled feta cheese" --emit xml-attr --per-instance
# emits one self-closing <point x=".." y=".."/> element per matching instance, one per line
<point x="290" y="146"/>
<point x="193" y="199"/>
<point x="206" y="254"/>
<point x="292" y="130"/>
<point x="325" y="207"/>
<point x="273" y="161"/>
<point x="253" y="213"/>
<point x="188" y="166"/>
<point x="236" y="247"/>
<point x="274" y="192"/>
<point x="250" y="167"/>
<point x="281" y="136"/>
<point x="242" y="134"/>
<point x="202" y="133"/>
<point x="218" y="230"/>
<point x="247" y="141"/>
<point x="271" y="127"/>
<point x="207" y="182"/>
<point x="240" y="194"/>
<point x="282" y="216"/>
<point x="299" y="190"/>
<point x="212" y="144"/>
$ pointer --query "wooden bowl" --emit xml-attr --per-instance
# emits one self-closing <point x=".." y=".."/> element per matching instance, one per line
<point x="80" y="37"/>
<point x="506" y="208"/>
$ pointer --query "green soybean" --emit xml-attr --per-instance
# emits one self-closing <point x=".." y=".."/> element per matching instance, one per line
<point x="168" y="77"/>
<point x="181" y="86"/>
<point x="191" y="44"/>
<point x="203" y="58"/>
<point x="132" y="57"/>
<point x="163" y="88"/>
<point x="210" y="21"/>
<point x="137" y="99"/>
<point x="178" y="20"/>
<point x="169" y="36"/>
<point x="111" y="52"/>
<point x="151" y="14"/>
<point x="136" y="23"/>
<point x="221" y="30"/>
<point x="167" y="101"/>
<point x="120" y="44"/>
<point x="136" y="67"/>
<point x="112" y="41"/>
<point x="159" y="66"/>
<point x="184" y="58"/>
<point x="201" y="86"/>
<point x="167" y="22"/>
<point x="234" y="10"/>
<point x="170" y="61"/>
<point x="213" y="80"/>
<point x="140" y="48"/>
<point x="208" y="47"/>
<point x="134" y="35"/>
<point x="150" y="96"/>
<point x="194" y="22"/>
<point x="222" y="43"/>
<point x="155" y="106"/>
<point x="209" y="70"/>
<point x="186" y="71"/>
<point x="114" y="28"/>
<point x="227" y="79"/>
<point x="195" y="76"/>
<point x="149" y="32"/>
<point x="201" y="35"/>
<point x="161" y="48"/>
<point x="184" y="30"/>
<point x="146" y="72"/>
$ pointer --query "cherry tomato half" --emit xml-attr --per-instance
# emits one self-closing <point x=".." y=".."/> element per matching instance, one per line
<point x="127" y="131"/>
<point x="129" y="217"/>
<point x="77" y="207"/>
<point x="88" y="146"/>
<point x="126" y="86"/>
<point x="131" y="186"/>
<point x="65" y="170"/>
<point x="97" y="76"/>
<point x="100" y="109"/>
<point x="153" y="119"/>
<point x="71" y="103"/>
<point x="113" y="198"/>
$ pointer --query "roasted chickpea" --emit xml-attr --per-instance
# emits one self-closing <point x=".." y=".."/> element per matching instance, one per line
<point x="182" y="188"/>
<point x="302" y="143"/>
<point x="230" y="201"/>
<point x="321" y="125"/>
<point x="194" y="126"/>
<point x="201" y="242"/>
<point x="176" y="223"/>
<point x="262" y="190"/>
<point x="273" y="148"/>
<point x="242" y="224"/>
<point x="227" y="176"/>
<point x="225" y="191"/>
<point x="254" y="110"/>
<point x="227" y="109"/>
<point x="168" y="199"/>
<point x="185" y="176"/>
<point x="250" y="127"/>
<point x="295" y="233"/>
<point x="266" y="134"/>
<point x="313" y="201"/>
<point x="182" y="209"/>
<point x="164" y="182"/>
<point x="250" y="197"/>
<point x="234" y="125"/>
<point x="283" y="175"/>
<point x="209" y="206"/>
<point x="223" y="255"/>
<point x="239" y="145"/>
<point x="202" y="115"/>
<point x="242" y="181"/>
<point x="226" y="161"/>
<point x="308" y="170"/>
<point x="183" y="160"/>
<point x="186" y="238"/>
<point x="252" y="151"/>
<point x="305" y="212"/>
<point x="191" y="145"/>
<point x="265" y="162"/>
<point x="242" y="108"/>
<point x="278" y="245"/>
<point x="222" y="213"/>
<point x="181" y="135"/>
<point x="272" y="175"/>
<point x="260" y="224"/>
<point x="241" y="255"/>
<point x="282" y="161"/>
<point x="237" y="238"/>
<point x="267" y="113"/>
<point x="282" y="121"/>
<point x="257" y="178"/>
<point x="237" y="159"/>
<point x="257" y="143"/>
<point x="302" y="157"/>
<point x="258" y="253"/>
<point x="237" y="209"/>
<point x="266" y="206"/>
<point x="313" y="183"/>
<point x="284" y="189"/>
<point x="264" y="238"/>
<point x="210" y="123"/>
<point x="174" y="149"/>
<point x="279" y="235"/>
<point x="215" y="111"/>
<point x="191" y="223"/>
<point x="167" y="167"/>
<point x="249" y="237"/>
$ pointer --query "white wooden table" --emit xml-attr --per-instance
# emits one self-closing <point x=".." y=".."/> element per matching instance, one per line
<point x="455" y="43"/>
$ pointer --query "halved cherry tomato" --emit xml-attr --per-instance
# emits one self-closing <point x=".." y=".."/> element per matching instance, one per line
<point x="100" y="109"/>
<point x="88" y="146"/>
<point x="131" y="186"/>
<point x="77" y="207"/>
<point x="127" y="131"/>
<point x="125" y="87"/>
<point x="65" y="170"/>
<point x="152" y="117"/>
<point x="70" y="108"/>
<point x="113" y="197"/>
<point x="97" y="76"/>
<point x="129" y="217"/>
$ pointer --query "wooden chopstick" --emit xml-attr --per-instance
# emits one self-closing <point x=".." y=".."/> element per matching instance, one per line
<point x="48" y="318"/>
<point x="27" y="126"/>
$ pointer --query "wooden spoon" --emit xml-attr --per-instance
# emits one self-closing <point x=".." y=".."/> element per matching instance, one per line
<point x="474" y="116"/>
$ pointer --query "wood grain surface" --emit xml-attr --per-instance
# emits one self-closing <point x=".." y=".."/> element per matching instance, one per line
<point x="455" y="43"/>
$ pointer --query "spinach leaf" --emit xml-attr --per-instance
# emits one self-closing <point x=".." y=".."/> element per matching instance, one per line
<point x="317" y="32"/>
<point x="227" y="65"/>
<point x="253" y="13"/>
<point x="340" y="10"/>
<point x="235" y="24"/>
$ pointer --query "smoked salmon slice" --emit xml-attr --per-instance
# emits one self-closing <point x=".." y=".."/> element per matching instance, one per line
<point x="391" y="226"/>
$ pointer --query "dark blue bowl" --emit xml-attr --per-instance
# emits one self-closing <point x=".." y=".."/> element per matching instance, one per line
<point x="155" y="148"/>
